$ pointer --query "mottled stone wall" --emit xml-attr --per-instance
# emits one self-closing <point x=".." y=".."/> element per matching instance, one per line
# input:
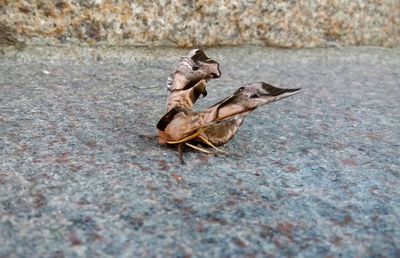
<point x="189" y="23"/>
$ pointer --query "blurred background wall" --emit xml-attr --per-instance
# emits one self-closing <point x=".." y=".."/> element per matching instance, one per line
<point x="187" y="23"/>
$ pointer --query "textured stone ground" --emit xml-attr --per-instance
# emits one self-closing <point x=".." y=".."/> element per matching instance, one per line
<point x="281" y="23"/>
<point x="81" y="174"/>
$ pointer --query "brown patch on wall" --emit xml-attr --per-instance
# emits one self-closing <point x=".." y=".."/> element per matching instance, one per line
<point x="9" y="37"/>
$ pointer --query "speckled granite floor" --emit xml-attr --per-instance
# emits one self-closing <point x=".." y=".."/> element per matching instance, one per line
<point x="81" y="173"/>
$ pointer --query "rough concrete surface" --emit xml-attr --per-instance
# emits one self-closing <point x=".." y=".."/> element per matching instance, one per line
<point x="282" y="23"/>
<point x="82" y="174"/>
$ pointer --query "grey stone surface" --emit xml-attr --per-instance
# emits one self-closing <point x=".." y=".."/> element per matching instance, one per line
<point x="82" y="174"/>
